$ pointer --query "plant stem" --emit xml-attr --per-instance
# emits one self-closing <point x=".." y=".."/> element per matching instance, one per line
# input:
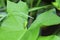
<point x="2" y="3"/>
<point x="37" y="8"/>
<point x="38" y="2"/>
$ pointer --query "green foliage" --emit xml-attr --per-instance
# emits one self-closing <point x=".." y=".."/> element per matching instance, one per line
<point x="45" y="19"/>
<point x="14" y="25"/>
<point x="2" y="4"/>
<point x="57" y="4"/>
<point x="52" y="37"/>
<point x="37" y="8"/>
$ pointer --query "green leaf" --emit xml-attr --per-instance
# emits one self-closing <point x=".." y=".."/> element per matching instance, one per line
<point x="52" y="37"/>
<point x="44" y="37"/>
<point x="16" y="18"/>
<point x="6" y="34"/>
<point x="47" y="18"/>
<point x="57" y="4"/>
<point x="14" y="25"/>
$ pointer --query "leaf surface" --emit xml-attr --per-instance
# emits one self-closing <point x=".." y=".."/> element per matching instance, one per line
<point x="14" y="25"/>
